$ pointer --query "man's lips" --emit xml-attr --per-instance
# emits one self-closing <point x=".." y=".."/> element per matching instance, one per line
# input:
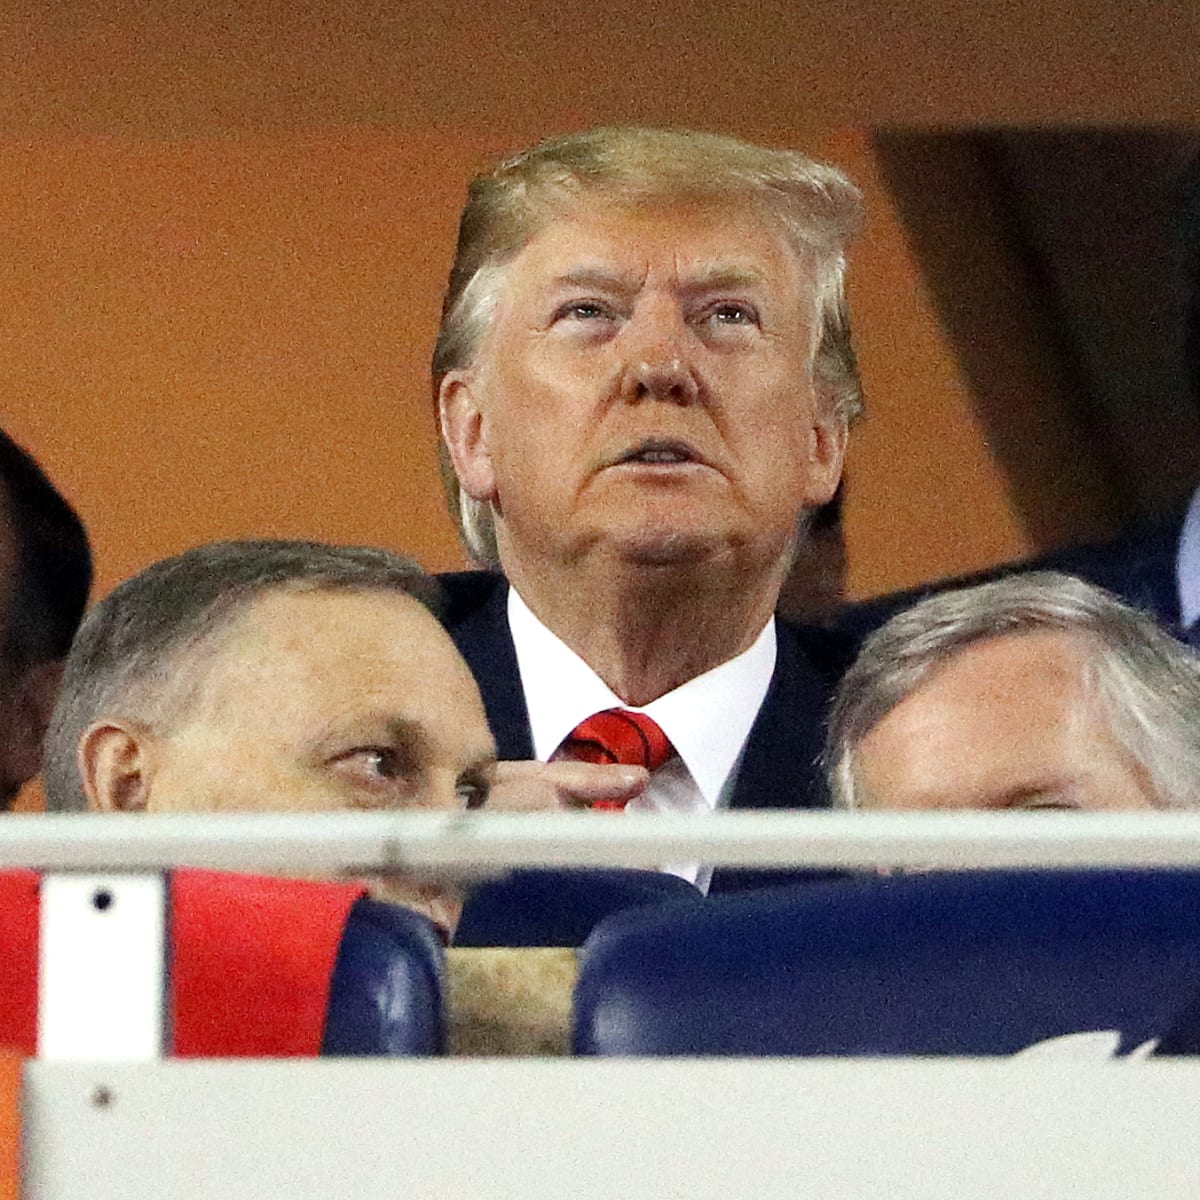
<point x="660" y="452"/>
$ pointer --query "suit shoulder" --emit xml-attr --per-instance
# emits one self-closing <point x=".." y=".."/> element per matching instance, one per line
<point x="466" y="593"/>
<point x="1137" y="565"/>
<point x="825" y="652"/>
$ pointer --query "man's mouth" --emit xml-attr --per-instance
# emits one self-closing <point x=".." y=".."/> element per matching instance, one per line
<point x="659" y="452"/>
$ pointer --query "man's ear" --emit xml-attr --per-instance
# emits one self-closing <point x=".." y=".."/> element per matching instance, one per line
<point x="827" y="454"/>
<point x="465" y="435"/>
<point x="114" y="767"/>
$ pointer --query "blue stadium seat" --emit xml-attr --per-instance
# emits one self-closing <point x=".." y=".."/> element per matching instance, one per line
<point x="959" y="963"/>
<point x="559" y="907"/>
<point x="386" y="994"/>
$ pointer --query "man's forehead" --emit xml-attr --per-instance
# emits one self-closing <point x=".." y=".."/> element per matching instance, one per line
<point x="991" y="662"/>
<point x="739" y="230"/>
<point x="290" y="614"/>
<point x="593" y="272"/>
<point x="355" y="643"/>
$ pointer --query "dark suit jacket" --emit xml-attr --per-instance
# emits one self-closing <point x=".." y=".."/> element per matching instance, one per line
<point x="1138" y="566"/>
<point x="779" y="766"/>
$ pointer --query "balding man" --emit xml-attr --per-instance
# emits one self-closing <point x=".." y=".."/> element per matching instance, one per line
<point x="269" y="676"/>
<point x="645" y="381"/>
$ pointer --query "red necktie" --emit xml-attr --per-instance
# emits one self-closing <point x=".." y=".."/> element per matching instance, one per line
<point x="617" y="735"/>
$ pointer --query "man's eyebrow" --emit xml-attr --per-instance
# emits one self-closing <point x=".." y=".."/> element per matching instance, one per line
<point x="595" y="277"/>
<point x="406" y="729"/>
<point x="723" y="276"/>
<point x="717" y="276"/>
<point x="380" y="726"/>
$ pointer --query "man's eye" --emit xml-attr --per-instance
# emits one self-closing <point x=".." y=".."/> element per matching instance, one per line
<point x="377" y="760"/>
<point x="583" y="310"/>
<point x="1047" y="804"/>
<point x="733" y="313"/>
<point x="371" y="764"/>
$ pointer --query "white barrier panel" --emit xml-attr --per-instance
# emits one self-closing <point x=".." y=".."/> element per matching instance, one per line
<point x="471" y="844"/>
<point x="612" y="1130"/>
<point x="102" y="967"/>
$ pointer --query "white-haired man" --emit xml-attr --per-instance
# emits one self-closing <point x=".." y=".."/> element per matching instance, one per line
<point x="645" y="380"/>
<point x="1028" y="692"/>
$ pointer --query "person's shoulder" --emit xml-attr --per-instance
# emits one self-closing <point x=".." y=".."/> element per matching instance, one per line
<point x="467" y="593"/>
<point x="825" y="651"/>
<point x="1137" y="565"/>
<point x="1111" y="563"/>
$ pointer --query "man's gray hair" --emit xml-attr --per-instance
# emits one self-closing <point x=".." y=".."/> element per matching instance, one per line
<point x="1147" y="682"/>
<point x="817" y="207"/>
<point x="140" y="653"/>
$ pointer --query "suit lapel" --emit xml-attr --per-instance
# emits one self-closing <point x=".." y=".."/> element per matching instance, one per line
<point x="478" y="624"/>
<point x="780" y="763"/>
<point x="779" y="766"/>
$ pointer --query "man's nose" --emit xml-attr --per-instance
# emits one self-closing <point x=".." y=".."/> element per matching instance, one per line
<point x="660" y="362"/>
<point x="669" y="379"/>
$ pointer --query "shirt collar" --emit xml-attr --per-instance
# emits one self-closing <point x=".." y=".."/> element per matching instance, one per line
<point x="1187" y="565"/>
<point x="707" y="719"/>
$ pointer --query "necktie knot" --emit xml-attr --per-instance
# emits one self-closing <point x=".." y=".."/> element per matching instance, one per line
<point x="618" y="735"/>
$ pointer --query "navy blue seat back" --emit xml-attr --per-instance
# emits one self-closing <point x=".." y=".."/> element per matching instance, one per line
<point x="559" y="907"/>
<point x="959" y="963"/>
<point x="386" y="993"/>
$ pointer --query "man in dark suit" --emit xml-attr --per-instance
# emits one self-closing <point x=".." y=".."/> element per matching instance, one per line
<point x="645" y="380"/>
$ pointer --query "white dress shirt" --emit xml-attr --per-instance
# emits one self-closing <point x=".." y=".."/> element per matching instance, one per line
<point x="707" y="719"/>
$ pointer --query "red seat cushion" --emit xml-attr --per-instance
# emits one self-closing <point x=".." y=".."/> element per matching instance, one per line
<point x="252" y="960"/>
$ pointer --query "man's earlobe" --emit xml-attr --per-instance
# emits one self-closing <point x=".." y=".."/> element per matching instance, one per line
<point x="113" y="768"/>
<point x="829" y="437"/>
<point x="465" y="435"/>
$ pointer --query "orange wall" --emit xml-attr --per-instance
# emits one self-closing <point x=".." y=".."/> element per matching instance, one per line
<point x="229" y="337"/>
<point x="924" y="497"/>
<point x="223" y="234"/>
<point x="214" y="339"/>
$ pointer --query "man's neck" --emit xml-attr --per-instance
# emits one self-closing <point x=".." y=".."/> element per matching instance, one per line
<point x="647" y="631"/>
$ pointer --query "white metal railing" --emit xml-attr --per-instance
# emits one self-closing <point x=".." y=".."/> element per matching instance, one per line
<point x="477" y="844"/>
<point x="104" y="892"/>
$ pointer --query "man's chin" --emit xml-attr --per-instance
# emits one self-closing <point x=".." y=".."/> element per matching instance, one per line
<point x="667" y="548"/>
<point x="441" y="905"/>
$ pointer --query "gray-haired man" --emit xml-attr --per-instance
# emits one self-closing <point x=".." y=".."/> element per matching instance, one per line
<point x="1032" y="691"/>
